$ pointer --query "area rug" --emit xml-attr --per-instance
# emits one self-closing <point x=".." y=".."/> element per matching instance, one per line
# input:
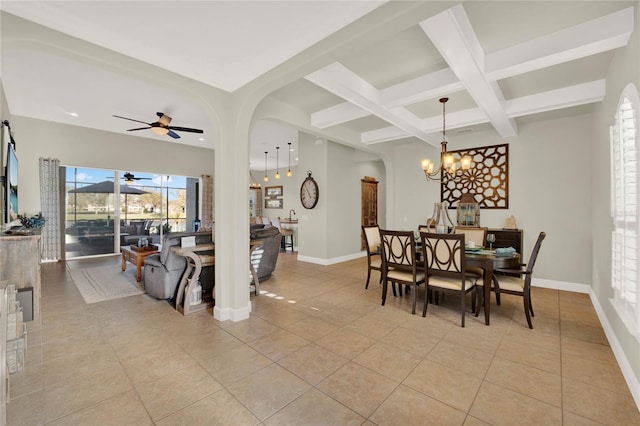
<point x="102" y="283"/>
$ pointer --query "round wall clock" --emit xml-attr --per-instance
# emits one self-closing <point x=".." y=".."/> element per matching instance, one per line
<point x="309" y="192"/>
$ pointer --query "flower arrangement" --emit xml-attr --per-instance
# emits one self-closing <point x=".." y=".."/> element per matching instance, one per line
<point x="35" y="222"/>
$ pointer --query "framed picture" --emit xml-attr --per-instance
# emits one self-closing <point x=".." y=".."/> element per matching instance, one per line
<point x="273" y="203"/>
<point x="272" y="191"/>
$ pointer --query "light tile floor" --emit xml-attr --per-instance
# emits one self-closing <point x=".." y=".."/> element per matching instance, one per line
<point x="318" y="349"/>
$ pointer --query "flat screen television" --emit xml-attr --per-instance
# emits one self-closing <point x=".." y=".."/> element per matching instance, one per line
<point x="11" y="184"/>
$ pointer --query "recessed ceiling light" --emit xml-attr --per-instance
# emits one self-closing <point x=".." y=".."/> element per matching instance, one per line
<point x="201" y="139"/>
<point x="73" y="114"/>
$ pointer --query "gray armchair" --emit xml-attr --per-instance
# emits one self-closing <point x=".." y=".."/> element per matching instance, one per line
<point x="265" y="257"/>
<point x="162" y="271"/>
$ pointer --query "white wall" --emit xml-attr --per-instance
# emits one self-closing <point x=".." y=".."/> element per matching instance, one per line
<point x="79" y="146"/>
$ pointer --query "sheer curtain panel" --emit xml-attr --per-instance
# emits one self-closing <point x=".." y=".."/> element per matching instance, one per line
<point x="50" y="205"/>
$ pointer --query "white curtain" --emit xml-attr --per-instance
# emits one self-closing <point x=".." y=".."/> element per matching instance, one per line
<point x="50" y="204"/>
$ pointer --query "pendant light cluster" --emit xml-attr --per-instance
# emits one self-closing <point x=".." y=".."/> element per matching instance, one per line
<point x="447" y="164"/>
<point x="277" y="175"/>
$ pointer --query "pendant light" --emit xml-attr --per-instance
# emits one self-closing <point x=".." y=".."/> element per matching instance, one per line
<point x="289" y="173"/>
<point x="266" y="178"/>
<point x="277" y="161"/>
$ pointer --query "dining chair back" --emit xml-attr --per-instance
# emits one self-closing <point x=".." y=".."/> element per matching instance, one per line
<point x="518" y="281"/>
<point x="371" y="235"/>
<point x="479" y="237"/>
<point x="444" y="263"/>
<point x="399" y="263"/>
<point x="472" y="233"/>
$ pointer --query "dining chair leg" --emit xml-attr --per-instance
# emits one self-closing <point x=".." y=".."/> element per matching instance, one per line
<point x="526" y="302"/>
<point x="480" y="298"/>
<point x="413" y="299"/>
<point x="384" y="291"/>
<point x="366" y="286"/>
<point x="473" y="301"/>
<point x="496" y="289"/>
<point x="427" y="292"/>
<point x="462" y="306"/>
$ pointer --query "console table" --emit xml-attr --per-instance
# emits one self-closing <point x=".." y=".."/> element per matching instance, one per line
<point x="195" y="262"/>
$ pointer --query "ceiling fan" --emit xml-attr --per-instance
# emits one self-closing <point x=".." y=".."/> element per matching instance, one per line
<point x="129" y="178"/>
<point x="161" y="127"/>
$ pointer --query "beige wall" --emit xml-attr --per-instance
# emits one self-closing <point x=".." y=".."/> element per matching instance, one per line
<point x="625" y="68"/>
<point x="548" y="191"/>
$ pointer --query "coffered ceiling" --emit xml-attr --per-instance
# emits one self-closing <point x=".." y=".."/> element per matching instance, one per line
<point x="500" y="63"/>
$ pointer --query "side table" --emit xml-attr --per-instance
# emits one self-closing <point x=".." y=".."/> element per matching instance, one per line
<point x="136" y="257"/>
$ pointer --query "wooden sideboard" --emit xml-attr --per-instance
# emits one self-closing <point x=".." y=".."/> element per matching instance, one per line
<point x="507" y="238"/>
<point x="20" y="264"/>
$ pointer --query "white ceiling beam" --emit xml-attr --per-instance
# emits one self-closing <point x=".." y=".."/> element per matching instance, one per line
<point x="433" y="85"/>
<point x="337" y="114"/>
<point x="586" y="39"/>
<point x="579" y="94"/>
<point x="565" y="97"/>
<point x="342" y="82"/>
<point x="598" y="35"/>
<point x="451" y="33"/>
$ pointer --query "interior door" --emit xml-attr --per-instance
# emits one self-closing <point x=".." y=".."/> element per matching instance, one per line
<point x="369" y="204"/>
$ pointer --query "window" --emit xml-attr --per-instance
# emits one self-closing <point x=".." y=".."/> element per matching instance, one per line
<point x="625" y="276"/>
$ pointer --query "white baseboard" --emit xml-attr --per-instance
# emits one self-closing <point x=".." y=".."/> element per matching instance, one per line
<point x="561" y="285"/>
<point x="226" y="314"/>
<point x="332" y="261"/>
<point x="621" y="358"/>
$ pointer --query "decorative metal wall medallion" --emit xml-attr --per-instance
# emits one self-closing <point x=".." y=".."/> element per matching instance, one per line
<point x="488" y="178"/>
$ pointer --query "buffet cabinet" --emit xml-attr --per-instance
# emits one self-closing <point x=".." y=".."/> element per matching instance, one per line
<point x="507" y="238"/>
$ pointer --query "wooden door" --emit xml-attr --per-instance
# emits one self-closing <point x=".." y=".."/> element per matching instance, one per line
<point x="369" y="203"/>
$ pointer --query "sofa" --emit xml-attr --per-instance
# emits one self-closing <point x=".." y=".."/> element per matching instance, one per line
<point x="163" y="271"/>
<point x="265" y="257"/>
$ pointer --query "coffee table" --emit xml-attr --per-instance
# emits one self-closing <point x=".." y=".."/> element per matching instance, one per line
<point x="136" y="257"/>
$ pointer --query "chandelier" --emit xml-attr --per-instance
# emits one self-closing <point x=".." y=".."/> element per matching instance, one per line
<point x="447" y="162"/>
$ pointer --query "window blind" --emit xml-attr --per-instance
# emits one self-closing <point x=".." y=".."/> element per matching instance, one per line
<point x="625" y="276"/>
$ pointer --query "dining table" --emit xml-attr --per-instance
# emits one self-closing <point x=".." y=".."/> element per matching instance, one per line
<point x="489" y="261"/>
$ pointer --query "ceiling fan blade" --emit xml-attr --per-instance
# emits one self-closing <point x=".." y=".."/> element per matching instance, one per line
<point x="185" y="129"/>
<point x="173" y="134"/>
<point x="131" y="119"/>
<point x="139" y="128"/>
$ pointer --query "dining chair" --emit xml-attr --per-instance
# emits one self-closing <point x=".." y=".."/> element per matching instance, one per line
<point x="518" y="282"/>
<point x="444" y="264"/>
<point x="371" y="236"/>
<point x="399" y="263"/>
